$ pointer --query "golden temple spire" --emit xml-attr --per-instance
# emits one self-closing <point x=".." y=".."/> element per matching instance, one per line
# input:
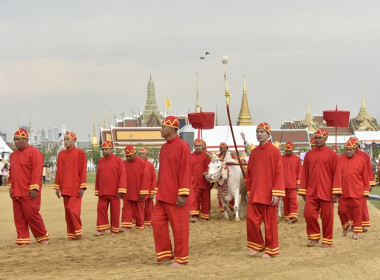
<point x="94" y="142"/>
<point x="308" y="122"/>
<point x="198" y="105"/>
<point x="245" y="115"/>
<point x="363" y="110"/>
<point x="308" y="119"/>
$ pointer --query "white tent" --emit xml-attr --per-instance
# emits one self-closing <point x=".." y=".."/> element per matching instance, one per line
<point x="218" y="134"/>
<point x="4" y="147"/>
<point x="368" y="137"/>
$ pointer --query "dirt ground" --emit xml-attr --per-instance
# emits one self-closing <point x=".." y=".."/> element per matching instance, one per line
<point x="217" y="250"/>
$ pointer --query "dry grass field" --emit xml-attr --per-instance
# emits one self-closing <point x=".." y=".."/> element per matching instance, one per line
<point x="217" y="250"/>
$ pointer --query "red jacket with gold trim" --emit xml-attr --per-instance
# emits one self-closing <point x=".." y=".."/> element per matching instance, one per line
<point x="354" y="177"/>
<point x="292" y="171"/>
<point x="110" y="176"/>
<point x="321" y="177"/>
<point x="174" y="175"/>
<point x="265" y="175"/>
<point x="138" y="179"/>
<point x="25" y="171"/>
<point x="71" y="172"/>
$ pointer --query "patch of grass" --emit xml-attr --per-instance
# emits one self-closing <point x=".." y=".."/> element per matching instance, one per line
<point x="91" y="177"/>
<point x="375" y="190"/>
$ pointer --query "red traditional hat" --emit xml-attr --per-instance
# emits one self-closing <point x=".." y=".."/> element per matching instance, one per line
<point x="312" y="142"/>
<point x="289" y="146"/>
<point x="198" y="141"/>
<point x="171" y="121"/>
<point x="21" y="132"/>
<point x="203" y="143"/>
<point x="355" y="139"/>
<point x="129" y="150"/>
<point x="264" y="126"/>
<point x="321" y="132"/>
<point x="143" y="150"/>
<point x="223" y="144"/>
<point x="107" y="145"/>
<point x="350" y="143"/>
<point x="71" y="135"/>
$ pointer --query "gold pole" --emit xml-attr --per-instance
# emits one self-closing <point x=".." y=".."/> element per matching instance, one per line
<point x="227" y="91"/>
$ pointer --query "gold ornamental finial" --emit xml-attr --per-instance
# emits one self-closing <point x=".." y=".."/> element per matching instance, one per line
<point x="227" y="91"/>
<point x="198" y="105"/>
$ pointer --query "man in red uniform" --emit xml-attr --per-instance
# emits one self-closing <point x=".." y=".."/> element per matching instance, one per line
<point x="320" y="187"/>
<point x="354" y="187"/>
<point x="365" y="220"/>
<point x="199" y="162"/>
<point x="138" y="186"/>
<point x="149" y="205"/>
<point x="25" y="176"/>
<point x="223" y="148"/>
<point x="172" y="205"/>
<point x="110" y="186"/>
<point x="265" y="184"/>
<point x="70" y="183"/>
<point x="292" y="176"/>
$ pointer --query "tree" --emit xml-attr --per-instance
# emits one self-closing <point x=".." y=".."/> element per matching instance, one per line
<point x="94" y="155"/>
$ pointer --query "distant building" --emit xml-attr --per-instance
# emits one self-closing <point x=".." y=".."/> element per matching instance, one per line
<point x="362" y="122"/>
<point x="141" y="128"/>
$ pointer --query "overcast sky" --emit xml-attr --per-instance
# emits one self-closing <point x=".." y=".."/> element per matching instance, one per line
<point x="62" y="60"/>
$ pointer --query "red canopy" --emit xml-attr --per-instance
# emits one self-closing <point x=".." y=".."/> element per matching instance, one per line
<point x="202" y="120"/>
<point x="337" y="118"/>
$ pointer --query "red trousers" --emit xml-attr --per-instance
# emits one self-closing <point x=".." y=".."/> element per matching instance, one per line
<point x="148" y="211"/>
<point x="290" y="204"/>
<point x="102" y="222"/>
<point x="72" y="206"/>
<point x="27" y="215"/>
<point x="351" y="209"/>
<point x="365" y="219"/>
<point x="132" y="209"/>
<point x="311" y="213"/>
<point x="163" y="214"/>
<point x="201" y="203"/>
<point x="257" y="213"/>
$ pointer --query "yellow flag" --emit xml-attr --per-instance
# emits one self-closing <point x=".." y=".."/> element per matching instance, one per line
<point x="168" y="103"/>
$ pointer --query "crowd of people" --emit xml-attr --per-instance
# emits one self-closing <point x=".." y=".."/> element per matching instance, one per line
<point x="181" y="192"/>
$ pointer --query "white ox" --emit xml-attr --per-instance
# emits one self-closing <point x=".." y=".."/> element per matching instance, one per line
<point x="222" y="173"/>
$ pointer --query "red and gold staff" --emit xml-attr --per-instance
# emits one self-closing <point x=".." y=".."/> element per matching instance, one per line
<point x="199" y="162"/>
<point x="70" y="183"/>
<point x="110" y="186"/>
<point x="354" y="187"/>
<point x="138" y="185"/>
<point x="149" y="204"/>
<point x="265" y="184"/>
<point x="292" y="176"/>
<point x="25" y="176"/>
<point x="320" y="188"/>
<point x="365" y="220"/>
<point x="172" y="205"/>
